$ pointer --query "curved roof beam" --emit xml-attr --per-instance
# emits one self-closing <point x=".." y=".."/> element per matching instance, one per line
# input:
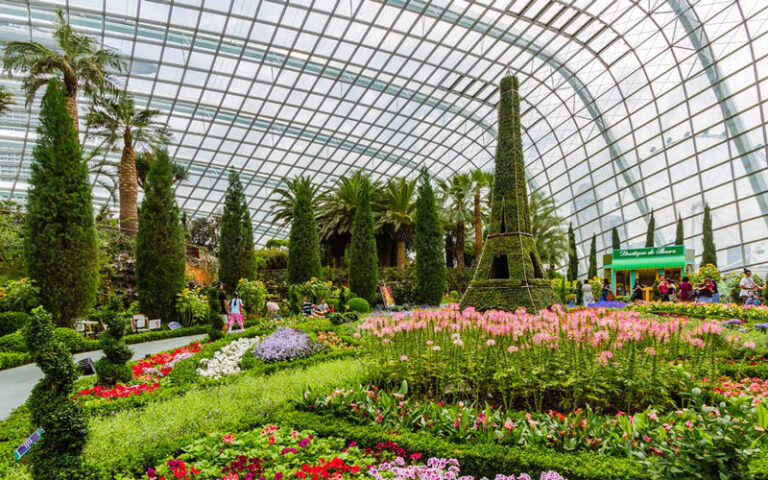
<point x="465" y="21"/>
<point x="698" y="38"/>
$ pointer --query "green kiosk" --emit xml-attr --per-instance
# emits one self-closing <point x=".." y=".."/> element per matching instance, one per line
<point x="626" y="267"/>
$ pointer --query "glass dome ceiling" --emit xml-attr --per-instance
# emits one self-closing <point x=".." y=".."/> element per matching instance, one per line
<point x="628" y="107"/>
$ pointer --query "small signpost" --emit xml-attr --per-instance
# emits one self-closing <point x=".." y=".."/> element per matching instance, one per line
<point x="28" y="444"/>
<point x="386" y="296"/>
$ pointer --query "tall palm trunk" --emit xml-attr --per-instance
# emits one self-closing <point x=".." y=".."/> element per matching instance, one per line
<point x="401" y="253"/>
<point x="72" y="110"/>
<point x="460" y="245"/>
<point x="478" y="228"/>
<point x="129" y="188"/>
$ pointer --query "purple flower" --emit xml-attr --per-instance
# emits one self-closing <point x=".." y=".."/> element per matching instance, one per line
<point x="286" y="344"/>
<point x="303" y="442"/>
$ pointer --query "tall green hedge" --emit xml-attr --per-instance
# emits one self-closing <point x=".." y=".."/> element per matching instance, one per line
<point x="650" y="235"/>
<point x="363" y="259"/>
<point x="160" y="251"/>
<point x="57" y="456"/>
<point x="237" y="257"/>
<point x="304" y="245"/>
<point x="592" y="271"/>
<point x="60" y="246"/>
<point x="615" y="240"/>
<point x="430" y="257"/>
<point x="679" y="234"/>
<point x="709" y="255"/>
<point x="112" y="367"/>
<point x="573" y="259"/>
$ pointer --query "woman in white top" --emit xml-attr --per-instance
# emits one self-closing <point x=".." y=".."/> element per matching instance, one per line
<point x="235" y="311"/>
<point x="746" y="285"/>
<point x="587" y="289"/>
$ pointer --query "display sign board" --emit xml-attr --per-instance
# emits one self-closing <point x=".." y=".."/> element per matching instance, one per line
<point x="155" y="324"/>
<point x="28" y="444"/>
<point x="652" y="252"/>
<point x="386" y="296"/>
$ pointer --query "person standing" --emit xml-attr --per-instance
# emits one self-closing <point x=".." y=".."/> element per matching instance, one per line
<point x="235" y="311"/>
<point x="606" y="291"/>
<point x="663" y="289"/>
<point x="587" y="290"/>
<point x="746" y="287"/>
<point x="223" y="306"/>
<point x="686" y="290"/>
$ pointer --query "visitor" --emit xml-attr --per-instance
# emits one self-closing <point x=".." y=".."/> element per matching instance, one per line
<point x="672" y="290"/>
<point x="716" y="293"/>
<point x="706" y="290"/>
<point x="587" y="291"/>
<point x="606" y="291"/>
<point x="754" y="296"/>
<point x="321" y="309"/>
<point x="273" y="308"/>
<point x="306" y="307"/>
<point x="235" y="312"/>
<point x="686" y="290"/>
<point x="223" y="306"/>
<point x="637" y="292"/>
<point x="663" y="289"/>
<point x="746" y="287"/>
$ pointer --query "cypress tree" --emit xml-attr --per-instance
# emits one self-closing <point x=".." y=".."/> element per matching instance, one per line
<point x="304" y="245"/>
<point x="430" y="259"/>
<point x="592" y="272"/>
<point x="214" y="318"/>
<point x="112" y="368"/>
<point x="363" y="260"/>
<point x="57" y="456"/>
<point x="615" y="241"/>
<point x="160" y="252"/>
<point x="679" y="235"/>
<point x="650" y="236"/>
<point x="60" y="245"/>
<point x="237" y="257"/>
<point x="573" y="260"/>
<point x="709" y="255"/>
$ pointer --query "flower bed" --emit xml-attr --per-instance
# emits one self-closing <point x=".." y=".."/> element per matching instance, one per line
<point x="286" y="344"/>
<point x="749" y="313"/>
<point x="276" y="453"/>
<point x="226" y="361"/>
<point x="609" y="359"/>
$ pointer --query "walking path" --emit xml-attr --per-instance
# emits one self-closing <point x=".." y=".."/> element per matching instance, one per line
<point x="16" y="383"/>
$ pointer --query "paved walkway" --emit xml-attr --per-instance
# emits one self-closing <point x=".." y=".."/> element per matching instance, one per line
<point x="16" y="383"/>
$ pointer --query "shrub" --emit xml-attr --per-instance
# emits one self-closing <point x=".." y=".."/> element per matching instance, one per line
<point x="60" y="246"/>
<point x="192" y="307"/>
<point x="339" y="318"/>
<point x="359" y="305"/>
<point x="160" y="251"/>
<point x="237" y="257"/>
<point x="12" y="321"/>
<point x="304" y="246"/>
<point x="19" y="296"/>
<point x="57" y="456"/>
<point x="253" y="294"/>
<point x="13" y="359"/>
<point x="363" y="257"/>
<point x="286" y="344"/>
<point x="709" y="253"/>
<point x="72" y="340"/>
<point x="273" y="258"/>
<point x="13" y="342"/>
<point x="214" y="318"/>
<point x="430" y="257"/>
<point x="112" y="368"/>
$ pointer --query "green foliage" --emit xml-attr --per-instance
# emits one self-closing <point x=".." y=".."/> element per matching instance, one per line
<point x="679" y="234"/>
<point x="72" y="340"/>
<point x="304" y="245"/>
<point x="57" y="456"/>
<point x="709" y="254"/>
<point x="112" y="368"/>
<point x="19" y="295"/>
<point x="579" y="293"/>
<point x="254" y="296"/>
<point x="430" y="255"/>
<point x="192" y="307"/>
<point x="237" y="257"/>
<point x="359" y="305"/>
<point x="13" y="359"/>
<point x="59" y="236"/>
<point x="547" y="228"/>
<point x="615" y="240"/>
<point x="13" y="342"/>
<point x="11" y="241"/>
<point x="363" y="259"/>
<point x="214" y="318"/>
<point x="160" y="251"/>
<point x="573" y="259"/>
<point x="592" y="271"/>
<point x="348" y="317"/>
<point x="295" y="293"/>
<point x="650" y="235"/>
<point x="272" y="258"/>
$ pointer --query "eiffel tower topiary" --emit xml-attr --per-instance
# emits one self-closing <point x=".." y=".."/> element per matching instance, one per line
<point x="509" y="274"/>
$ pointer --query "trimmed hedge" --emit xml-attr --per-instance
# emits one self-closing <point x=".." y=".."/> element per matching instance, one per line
<point x="12" y="321"/>
<point x="478" y="459"/>
<point x="358" y="305"/>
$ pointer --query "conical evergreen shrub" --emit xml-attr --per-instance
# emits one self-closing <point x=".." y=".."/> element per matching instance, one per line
<point x="160" y="251"/>
<point x="57" y="456"/>
<point x="709" y="254"/>
<point x="112" y="367"/>
<point x="60" y="245"/>
<point x="363" y="260"/>
<point x="592" y="271"/>
<point x="237" y="257"/>
<point x="615" y="240"/>
<point x="304" y="246"/>
<point x="679" y="234"/>
<point x="650" y="235"/>
<point x="430" y="255"/>
<point x="573" y="259"/>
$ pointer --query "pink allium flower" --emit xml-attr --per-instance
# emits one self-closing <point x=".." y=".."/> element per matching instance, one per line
<point x="403" y="358"/>
<point x="490" y="342"/>
<point x="512" y="349"/>
<point x="604" y="357"/>
<point x="749" y="345"/>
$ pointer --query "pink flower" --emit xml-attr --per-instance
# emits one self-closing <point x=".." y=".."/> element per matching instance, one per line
<point x="490" y="342"/>
<point x="228" y="439"/>
<point x="688" y="424"/>
<point x="403" y="358"/>
<point x="604" y="357"/>
<point x="512" y="349"/>
<point x="749" y="345"/>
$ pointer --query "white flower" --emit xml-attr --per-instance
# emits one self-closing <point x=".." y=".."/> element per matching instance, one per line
<point x="226" y="361"/>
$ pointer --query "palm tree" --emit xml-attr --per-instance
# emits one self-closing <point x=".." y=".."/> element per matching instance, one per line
<point x="546" y="227"/>
<point x="145" y="159"/>
<point x="125" y="128"/>
<point x="282" y="210"/>
<point x="456" y="193"/>
<point x="397" y="211"/>
<point x="336" y="212"/>
<point x="480" y="181"/>
<point x="6" y="100"/>
<point x="78" y="62"/>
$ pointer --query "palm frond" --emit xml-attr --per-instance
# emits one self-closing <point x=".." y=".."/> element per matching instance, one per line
<point x="6" y="100"/>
